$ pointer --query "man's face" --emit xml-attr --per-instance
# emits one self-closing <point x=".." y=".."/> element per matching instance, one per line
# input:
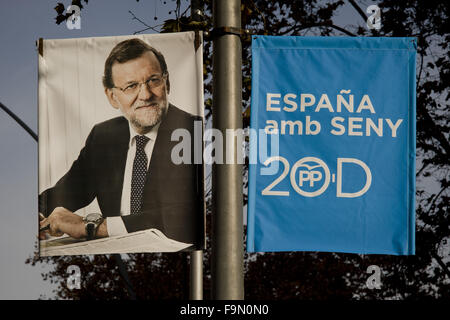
<point x="141" y="101"/>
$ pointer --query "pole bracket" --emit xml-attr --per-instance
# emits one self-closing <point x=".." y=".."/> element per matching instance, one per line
<point x="221" y="31"/>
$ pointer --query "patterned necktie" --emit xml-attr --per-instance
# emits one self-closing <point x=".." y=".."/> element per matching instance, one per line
<point x="139" y="173"/>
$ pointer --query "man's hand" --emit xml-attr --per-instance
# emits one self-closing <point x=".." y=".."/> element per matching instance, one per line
<point x="63" y="221"/>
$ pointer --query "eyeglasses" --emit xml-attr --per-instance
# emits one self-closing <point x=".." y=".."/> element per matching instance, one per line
<point x="134" y="88"/>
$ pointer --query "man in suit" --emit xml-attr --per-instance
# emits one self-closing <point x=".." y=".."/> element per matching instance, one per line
<point x="126" y="162"/>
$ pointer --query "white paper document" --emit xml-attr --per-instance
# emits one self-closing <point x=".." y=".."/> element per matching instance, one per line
<point x="151" y="240"/>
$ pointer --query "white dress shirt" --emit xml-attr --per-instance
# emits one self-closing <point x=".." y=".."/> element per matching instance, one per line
<point x="115" y="225"/>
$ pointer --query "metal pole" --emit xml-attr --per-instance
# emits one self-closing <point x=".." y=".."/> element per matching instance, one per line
<point x="196" y="275"/>
<point x="196" y="257"/>
<point x="124" y="274"/>
<point x="227" y="233"/>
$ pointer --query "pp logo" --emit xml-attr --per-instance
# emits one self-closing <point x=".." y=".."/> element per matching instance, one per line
<point x="310" y="174"/>
<point x="310" y="177"/>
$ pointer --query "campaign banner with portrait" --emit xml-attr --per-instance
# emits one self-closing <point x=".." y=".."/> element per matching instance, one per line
<point x="120" y="131"/>
<point x="332" y="154"/>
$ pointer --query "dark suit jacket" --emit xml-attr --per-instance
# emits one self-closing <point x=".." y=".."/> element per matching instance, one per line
<point x="173" y="194"/>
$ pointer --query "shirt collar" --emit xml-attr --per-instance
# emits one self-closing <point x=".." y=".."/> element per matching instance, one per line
<point x="151" y="134"/>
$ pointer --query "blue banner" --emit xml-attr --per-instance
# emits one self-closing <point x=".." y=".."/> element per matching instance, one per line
<point x="332" y="145"/>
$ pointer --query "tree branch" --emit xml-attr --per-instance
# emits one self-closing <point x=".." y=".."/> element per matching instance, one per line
<point x="435" y="198"/>
<point x="261" y="14"/>
<point x="124" y="274"/>
<point x="330" y="25"/>
<point x="19" y="121"/>
<point x="441" y="263"/>
<point x="426" y="162"/>
<point x="435" y="131"/>
<point x="359" y="10"/>
<point x="148" y="27"/>
<point x="432" y="253"/>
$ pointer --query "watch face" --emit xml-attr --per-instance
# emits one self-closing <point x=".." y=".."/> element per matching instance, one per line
<point x="92" y="221"/>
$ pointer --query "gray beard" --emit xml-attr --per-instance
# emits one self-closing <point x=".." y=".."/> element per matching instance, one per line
<point x="143" y="129"/>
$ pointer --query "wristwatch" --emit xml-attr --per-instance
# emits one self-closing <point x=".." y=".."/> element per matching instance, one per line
<point x="91" y="222"/>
